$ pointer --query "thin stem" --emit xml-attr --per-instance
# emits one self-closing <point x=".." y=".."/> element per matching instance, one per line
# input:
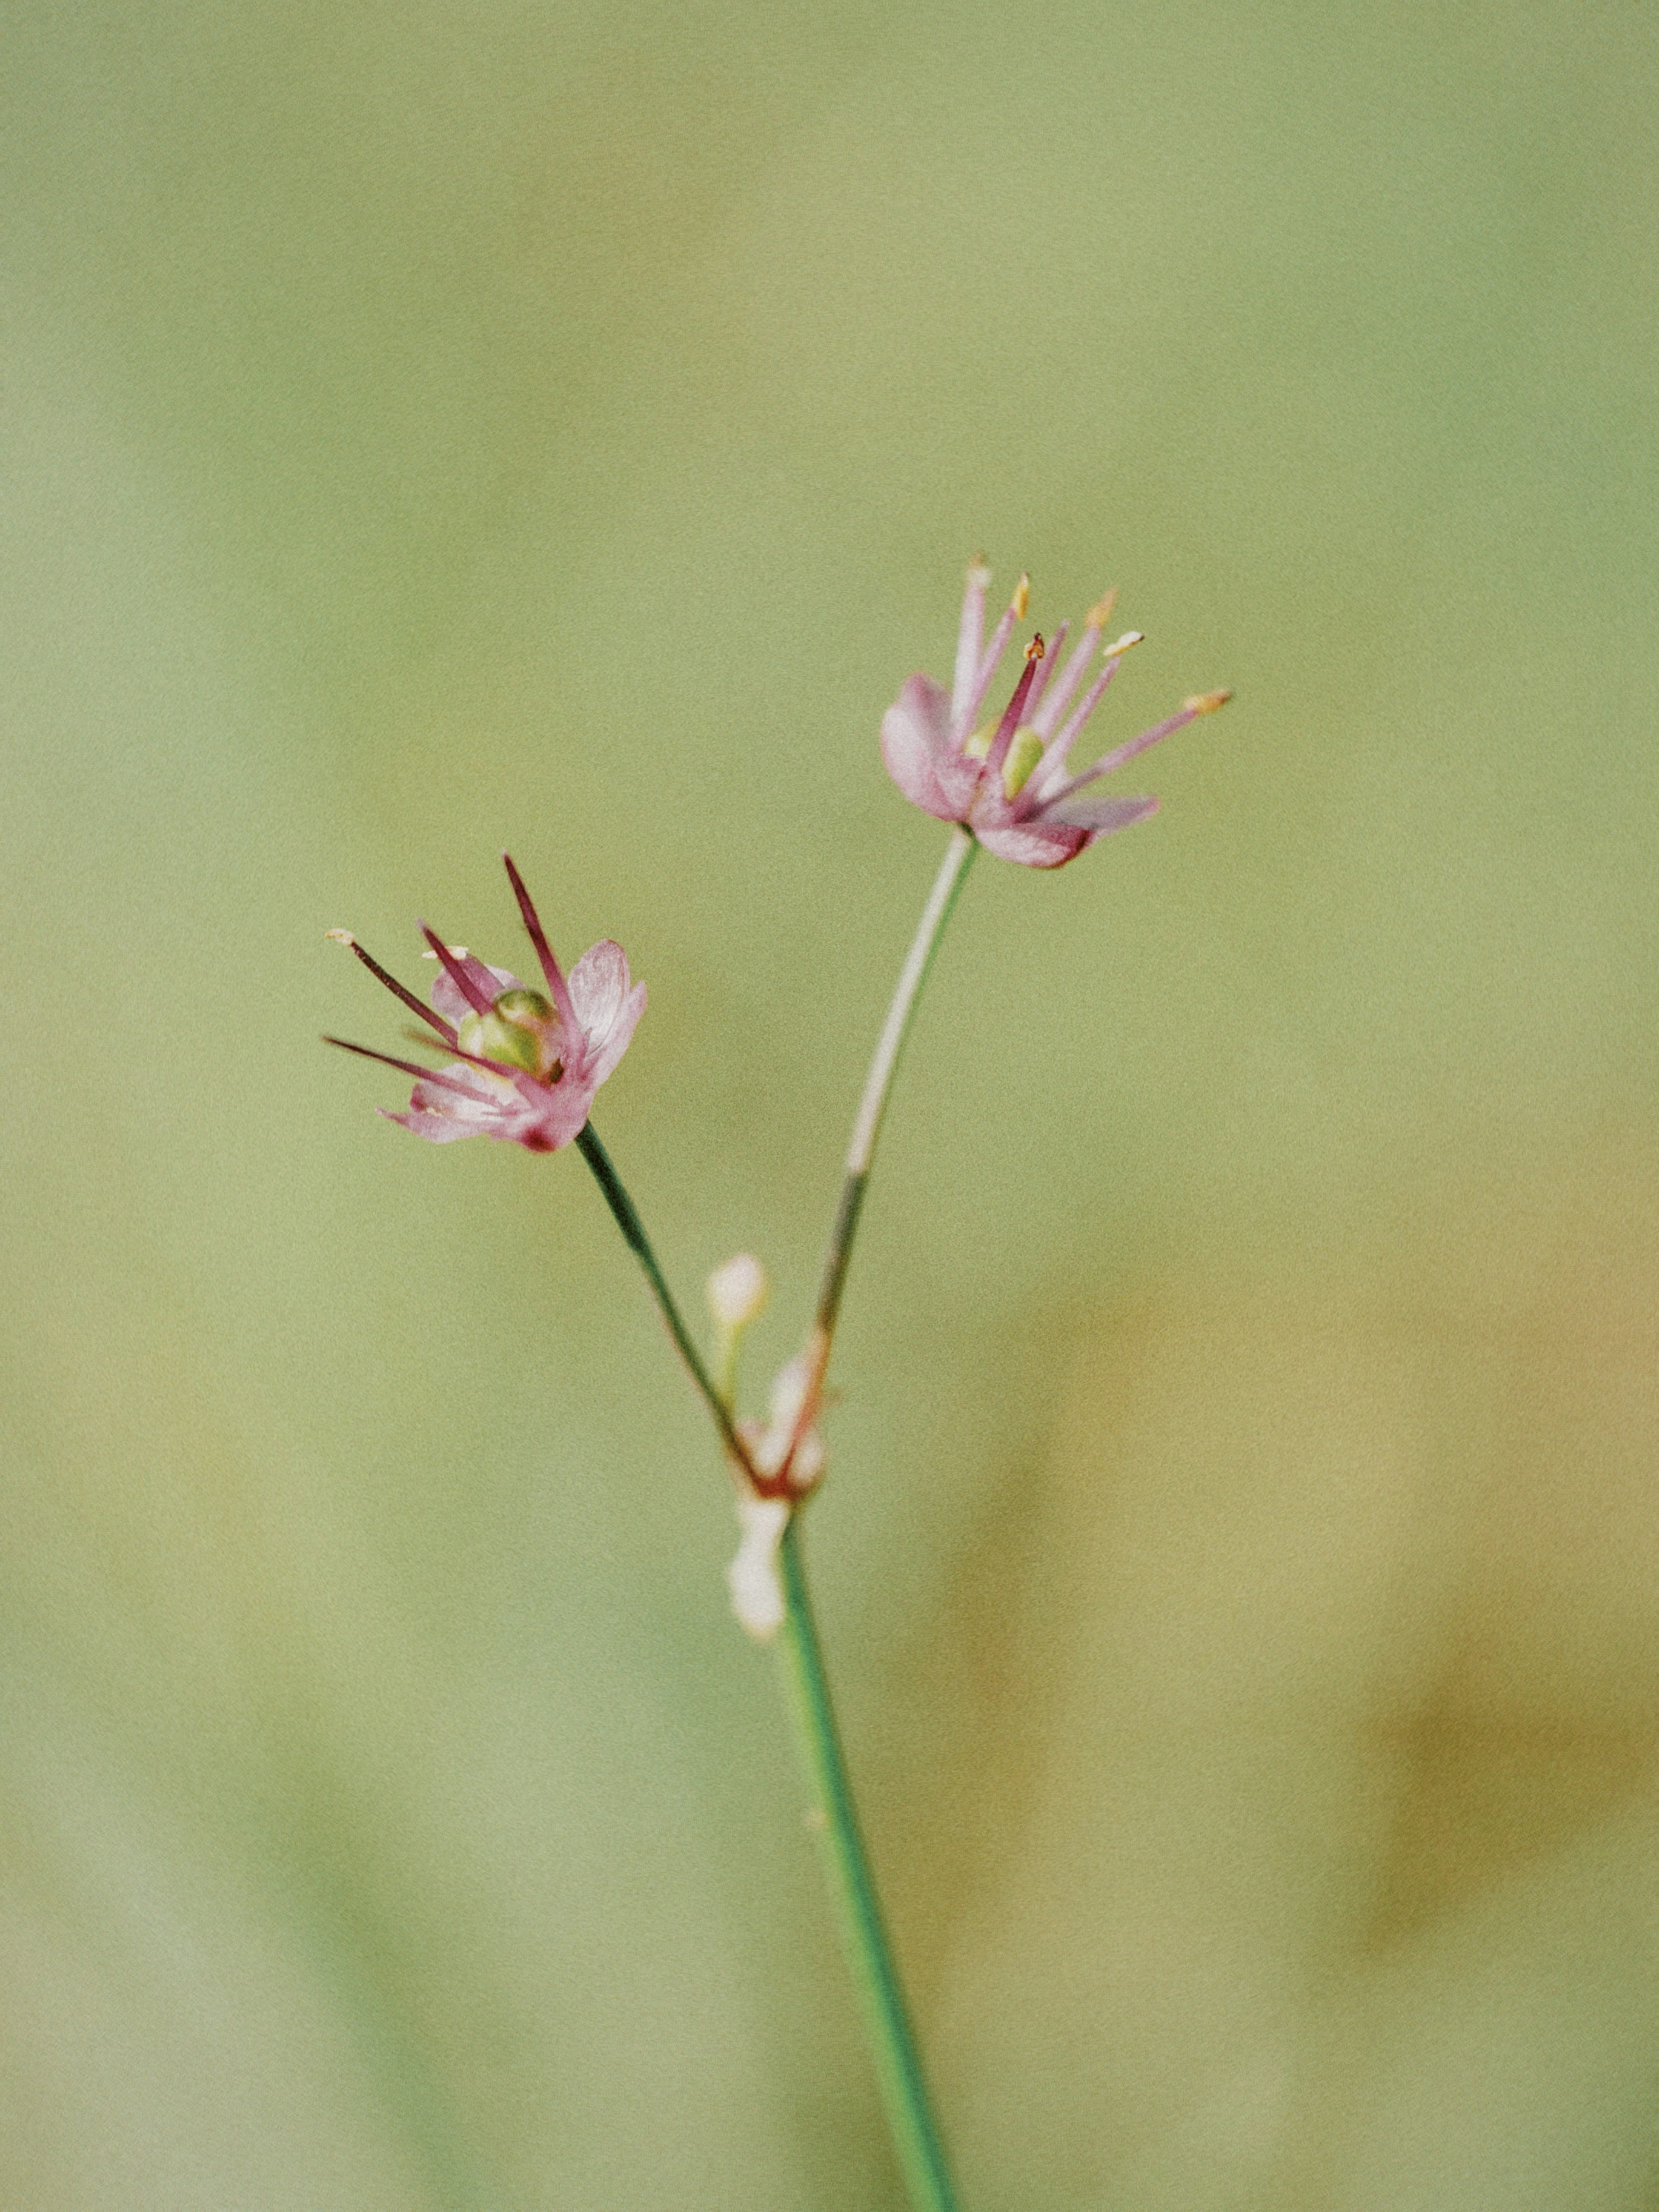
<point x="893" y="2045"/>
<point x="633" y="1229"/>
<point x="872" y="1107"/>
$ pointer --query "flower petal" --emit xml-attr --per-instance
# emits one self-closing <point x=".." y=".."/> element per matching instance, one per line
<point x="607" y="1009"/>
<point x="1050" y="839"/>
<point x="598" y="984"/>
<point x="916" y="747"/>
<point x="465" y="1103"/>
<point x="1100" y="817"/>
<point x="436" y="1129"/>
<point x="1038" y="844"/>
<point x="621" y="1036"/>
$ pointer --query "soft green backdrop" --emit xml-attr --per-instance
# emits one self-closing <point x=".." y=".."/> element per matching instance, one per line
<point x="429" y="428"/>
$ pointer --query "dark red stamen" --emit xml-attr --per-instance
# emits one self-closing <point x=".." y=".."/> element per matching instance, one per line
<point x="457" y="974"/>
<point x="537" y="936"/>
<point x="1015" y="706"/>
<point x="432" y="1021"/>
<point x="408" y="1066"/>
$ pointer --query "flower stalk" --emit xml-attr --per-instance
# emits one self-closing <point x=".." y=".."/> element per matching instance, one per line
<point x="881" y="1997"/>
<point x="626" y="1217"/>
<point x="866" y="1123"/>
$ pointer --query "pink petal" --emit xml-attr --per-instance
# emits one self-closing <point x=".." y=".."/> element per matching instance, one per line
<point x="916" y="747"/>
<point x="1037" y="844"/>
<point x="436" y="1129"/>
<point x="621" y="1034"/>
<point x="1049" y="840"/>
<point x="1099" y="816"/>
<point x="607" y="1009"/>
<point x="598" y="984"/>
<point x="452" y="1003"/>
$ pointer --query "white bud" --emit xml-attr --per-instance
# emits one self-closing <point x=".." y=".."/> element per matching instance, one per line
<point x="738" y="1290"/>
<point x="753" y="1579"/>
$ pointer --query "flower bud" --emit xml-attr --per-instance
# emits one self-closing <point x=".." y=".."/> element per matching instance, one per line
<point x="753" y="1577"/>
<point x="738" y="1291"/>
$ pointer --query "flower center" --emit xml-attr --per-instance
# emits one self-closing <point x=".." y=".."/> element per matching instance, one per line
<point x="1022" y="757"/>
<point x="521" y="1028"/>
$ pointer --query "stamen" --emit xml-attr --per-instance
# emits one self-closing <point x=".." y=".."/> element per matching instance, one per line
<point x="415" y="1005"/>
<point x="538" y="935"/>
<point x="1014" y="712"/>
<point x="1058" y="696"/>
<point x="962" y="718"/>
<point x="1079" y="714"/>
<point x="457" y="974"/>
<point x="408" y="1066"/>
<point x="1203" y="702"/>
<point x="971" y="636"/>
<point x="1043" y="784"/>
<point x="1046" y="668"/>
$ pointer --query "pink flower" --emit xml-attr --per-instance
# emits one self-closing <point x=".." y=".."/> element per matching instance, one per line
<point x="1010" y="782"/>
<point x="526" y="1065"/>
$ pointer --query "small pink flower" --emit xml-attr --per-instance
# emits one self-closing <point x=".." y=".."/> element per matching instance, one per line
<point x="528" y="1066"/>
<point x="1010" y="782"/>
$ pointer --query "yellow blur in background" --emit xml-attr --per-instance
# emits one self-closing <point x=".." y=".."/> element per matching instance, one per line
<point x="430" y="429"/>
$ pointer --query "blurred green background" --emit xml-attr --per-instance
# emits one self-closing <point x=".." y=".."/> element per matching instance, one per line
<point x="429" y="429"/>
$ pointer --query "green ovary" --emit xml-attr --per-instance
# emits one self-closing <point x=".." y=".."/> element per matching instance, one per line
<point x="1021" y="758"/>
<point x="516" y="1031"/>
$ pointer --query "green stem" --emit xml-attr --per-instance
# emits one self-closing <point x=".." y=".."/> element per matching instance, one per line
<point x="878" y="1084"/>
<point x="633" y="1229"/>
<point x="893" y="2041"/>
<point x="873" y="1107"/>
<point x="887" y="2024"/>
<point x="893" y="2045"/>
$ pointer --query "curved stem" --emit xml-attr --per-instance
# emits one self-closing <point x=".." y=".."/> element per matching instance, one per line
<point x="633" y="1229"/>
<point x="897" y="2061"/>
<point x="873" y="1107"/>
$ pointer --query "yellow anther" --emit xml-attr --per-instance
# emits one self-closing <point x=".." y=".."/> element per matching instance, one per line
<point x="1022" y="598"/>
<point x="1036" y="649"/>
<point x="1101" y="613"/>
<point x="340" y="936"/>
<point x="1205" y="702"/>
<point x="1129" y="637"/>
